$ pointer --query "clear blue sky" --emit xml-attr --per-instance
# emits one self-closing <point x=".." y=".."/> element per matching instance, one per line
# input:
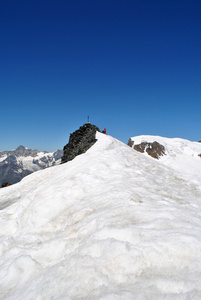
<point x="133" y="66"/>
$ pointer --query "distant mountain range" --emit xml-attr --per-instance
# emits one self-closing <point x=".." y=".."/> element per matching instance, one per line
<point x="18" y="163"/>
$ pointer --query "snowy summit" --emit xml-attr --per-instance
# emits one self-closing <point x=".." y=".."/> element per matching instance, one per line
<point x="113" y="223"/>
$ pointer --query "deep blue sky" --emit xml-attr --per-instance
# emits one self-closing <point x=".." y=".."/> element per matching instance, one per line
<point x="133" y="66"/>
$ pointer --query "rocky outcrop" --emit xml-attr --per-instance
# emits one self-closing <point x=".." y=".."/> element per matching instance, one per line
<point x="154" y="149"/>
<point x="79" y="142"/>
<point x="5" y="184"/>
<point x="130" y="143"/>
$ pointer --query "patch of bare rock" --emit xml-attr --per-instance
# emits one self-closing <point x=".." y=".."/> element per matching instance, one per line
<point x="155" y="149"/>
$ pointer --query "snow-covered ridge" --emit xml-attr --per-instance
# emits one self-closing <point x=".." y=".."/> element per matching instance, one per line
<point x="110" y="224"/>
<point x="181" y="154"/>
<point x="3" y="157"/>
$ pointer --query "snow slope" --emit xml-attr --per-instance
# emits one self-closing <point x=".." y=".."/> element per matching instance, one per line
<point x="181" y="155"/>
<point x="111" y="224"/>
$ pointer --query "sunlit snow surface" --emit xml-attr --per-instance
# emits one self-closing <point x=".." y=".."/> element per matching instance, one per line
<point x="111" y="224"/>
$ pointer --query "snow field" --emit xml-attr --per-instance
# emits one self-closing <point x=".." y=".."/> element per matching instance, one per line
<point x="111" y="224"/>
<point x="181" y="154"/>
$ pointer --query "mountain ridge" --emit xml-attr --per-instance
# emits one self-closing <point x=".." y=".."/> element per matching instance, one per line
<point x="112" y="223"/>
<point x="20" y="162"/>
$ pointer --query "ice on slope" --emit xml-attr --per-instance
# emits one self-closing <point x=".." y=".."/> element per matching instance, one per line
<point x="111" y="224"/>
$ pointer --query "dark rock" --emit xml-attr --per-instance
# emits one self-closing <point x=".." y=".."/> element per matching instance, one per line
<point x="130" y="143"/>
<point x="20" y="151"/>
<point x="5" y="184"/>
<point x="79" y="142"/>
<point x="141" y="147"/>
<point x="11" y="159"/>
<point x="154" y="149"/>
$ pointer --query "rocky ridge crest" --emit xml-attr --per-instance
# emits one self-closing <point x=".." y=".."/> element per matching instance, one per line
<point x="80" y="141"/>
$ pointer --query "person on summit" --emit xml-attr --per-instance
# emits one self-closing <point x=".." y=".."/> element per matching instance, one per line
<point x="104" y="131"/>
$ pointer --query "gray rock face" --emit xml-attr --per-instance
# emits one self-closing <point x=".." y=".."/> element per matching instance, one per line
<point x="21" y="151"/>
<point x="130" y="143"/>
<point x="154" y="149"/>
<point x="79" y="142"/>
<point x="57" y="155"/>
<point x="18" y="163"/>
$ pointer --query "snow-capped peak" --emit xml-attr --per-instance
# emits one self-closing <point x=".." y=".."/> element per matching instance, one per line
<point x="18" y="163"/>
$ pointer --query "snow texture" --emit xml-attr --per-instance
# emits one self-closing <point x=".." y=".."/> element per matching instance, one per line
<point x="111" y="224"/>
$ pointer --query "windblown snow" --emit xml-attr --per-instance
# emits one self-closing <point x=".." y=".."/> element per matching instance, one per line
<point x="111" y="224"/>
